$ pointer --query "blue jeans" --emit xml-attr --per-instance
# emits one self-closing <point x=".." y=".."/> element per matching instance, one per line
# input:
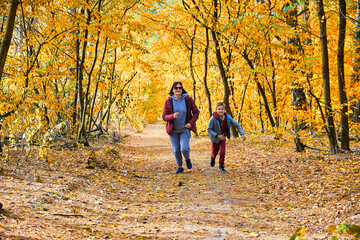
<point x="180" y="146"/>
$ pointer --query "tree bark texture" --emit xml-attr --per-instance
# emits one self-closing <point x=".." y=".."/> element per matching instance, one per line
<point x="82" y="131"/>
<point x="222" y="72"/>
<point x="261" y="90"/>
<point x="206" y="59"/>
<point x="5" y="43"/>
<point x="191" y="62"/>
<point x="356" y="61"/>
<point x="341" y="77"/>
<point x="326" y="79"/>
<point x="355" y="75"/>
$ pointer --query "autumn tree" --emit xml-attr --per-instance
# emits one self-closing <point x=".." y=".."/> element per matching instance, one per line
<point x="344" y="122"/>
<point x="63" y="62"/>
<point x="87" y="64"/>
<point x="330" y="128"/>
<point x="6" y="40"/>
<point x="221" y="20"/>
<point x="355" y="74"/>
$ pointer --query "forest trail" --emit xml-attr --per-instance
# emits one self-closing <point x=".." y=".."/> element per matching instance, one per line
<point x="132" y="192"/>
<point x="201" y="203"/>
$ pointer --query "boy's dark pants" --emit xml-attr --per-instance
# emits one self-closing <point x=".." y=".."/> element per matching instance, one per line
<point x="215" y="148"/>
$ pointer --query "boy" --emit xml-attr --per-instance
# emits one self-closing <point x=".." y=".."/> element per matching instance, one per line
<point x="219" y="129"/>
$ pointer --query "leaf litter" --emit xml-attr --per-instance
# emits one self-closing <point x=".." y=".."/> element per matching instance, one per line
<point x="128" y="190"/>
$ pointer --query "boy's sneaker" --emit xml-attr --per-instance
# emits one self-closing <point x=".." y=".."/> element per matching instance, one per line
<point x="188" y="164"/>
<point x="212" y="162"/>
<point x="222" y="168"/>
<point x="179" y="170"/>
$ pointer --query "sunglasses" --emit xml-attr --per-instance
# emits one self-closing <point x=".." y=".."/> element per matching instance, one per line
<point x="177" y="88"/>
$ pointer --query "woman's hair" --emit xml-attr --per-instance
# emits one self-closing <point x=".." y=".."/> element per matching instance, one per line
<point x="220" y="104"/>
<point x="172" y="88"/>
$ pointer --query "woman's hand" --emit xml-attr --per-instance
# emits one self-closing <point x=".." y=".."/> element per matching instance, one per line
<point x="188" y="125"/>
<point x="176" y="115"/>
<point x="243" y="137"/>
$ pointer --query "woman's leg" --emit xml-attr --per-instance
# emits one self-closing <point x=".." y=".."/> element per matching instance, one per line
<point x="185" y="144"/>
<point x="175" y="144"/>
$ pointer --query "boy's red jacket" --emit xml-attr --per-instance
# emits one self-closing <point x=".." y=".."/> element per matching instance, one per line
<point x="168" y="114"/>
<point x="222" y="122"/>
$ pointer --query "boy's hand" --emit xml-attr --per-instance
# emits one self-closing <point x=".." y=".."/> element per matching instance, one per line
<point x="221" y="137"/>
<point x="188" y="125"/>
<point x="243" y="137"/>
<point x="176" y="115"/>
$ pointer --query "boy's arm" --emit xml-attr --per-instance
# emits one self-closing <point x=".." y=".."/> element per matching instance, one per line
<point x="210" y="128"/>
<point x="237" y="125"/>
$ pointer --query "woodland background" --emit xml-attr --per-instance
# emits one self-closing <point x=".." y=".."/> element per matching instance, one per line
<point x="70" y="68"/>
<point x="72" y="72"/>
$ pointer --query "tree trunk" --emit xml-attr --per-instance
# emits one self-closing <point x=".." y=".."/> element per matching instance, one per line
<point x="87" y="94"/>
<point x="273" y="88"/>
<point x="110" y="90"/>
<point x="76" y="93"/>
<point x="298" y="98"/>
<point x="97" y="85"/>
<point x="223" y="73"/>
<point x="266" y="104"/>
<point x="206" y="53"/>
<point x="5" y="43"/>
<point x="192" y="64"/>
<point x="262" y="130"/>
<point x="109" y="104"/>
<point x="81" y="137"/>
<point x="224" y="77"/>
<point x="260" y="89"/>
<point x="326" y="79"/>
<point x="341" y="77"/>
<point x="298" y="101"/>
<point x="355" y="75"/>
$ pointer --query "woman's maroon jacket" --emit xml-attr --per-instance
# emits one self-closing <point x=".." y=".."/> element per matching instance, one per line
<point x="192" y="114"/>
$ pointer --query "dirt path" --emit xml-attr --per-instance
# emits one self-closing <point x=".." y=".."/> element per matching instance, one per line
<point x="201" y="203"/>
<point x="131" y="192"/>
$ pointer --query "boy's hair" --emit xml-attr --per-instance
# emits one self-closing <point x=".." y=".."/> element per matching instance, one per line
<point x="220" y="104"/>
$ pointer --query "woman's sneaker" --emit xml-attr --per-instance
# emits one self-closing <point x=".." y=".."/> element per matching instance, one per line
<point x="188" y="164"/>
<point x="179" y="170"/>
<point x="212" y="162"/>
<point x="222" y="168"/>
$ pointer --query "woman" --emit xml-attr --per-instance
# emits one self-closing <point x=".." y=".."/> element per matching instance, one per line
<point x="180" y="114"/>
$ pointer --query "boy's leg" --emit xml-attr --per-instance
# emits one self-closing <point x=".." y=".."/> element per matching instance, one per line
<point x="214" y="149"/>
<point x="175" y="144"/>
<point x="222" y="148"/>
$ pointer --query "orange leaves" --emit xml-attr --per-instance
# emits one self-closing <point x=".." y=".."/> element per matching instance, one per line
<point x="351" y="230"/>
<point x="153" y="38"/>
<point x="299" y="233"/>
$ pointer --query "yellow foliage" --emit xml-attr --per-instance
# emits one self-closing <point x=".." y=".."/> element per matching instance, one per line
<point x="136" y="50"/>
